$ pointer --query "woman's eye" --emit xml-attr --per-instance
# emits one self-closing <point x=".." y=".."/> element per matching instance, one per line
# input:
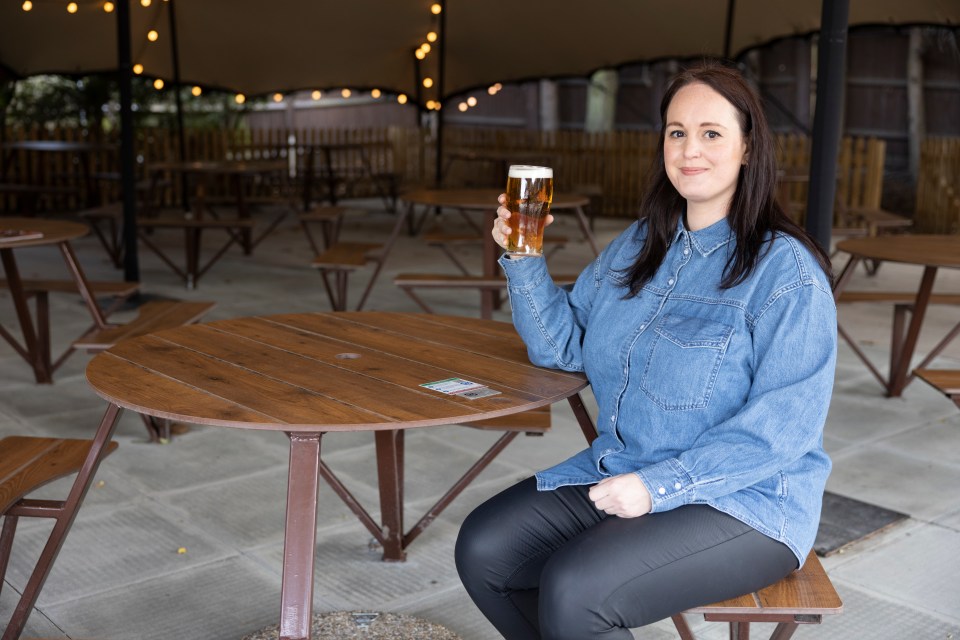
<point x="675" y="134"/>
<point x="711" y="135"/>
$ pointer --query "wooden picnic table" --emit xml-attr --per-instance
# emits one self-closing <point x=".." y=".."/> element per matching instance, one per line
<point x="31" y="184"/>
<point x="928" y="251"/>
<point x="36" y="341"/>
<point x="307" y="374"/>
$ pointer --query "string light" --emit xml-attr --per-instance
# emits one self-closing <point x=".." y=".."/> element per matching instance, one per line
<point x="425" y="47"/>
<point x="27" y="5"/>
<point x="72" y="7"/>
<point x="435" y="9"/>
<point x="138" y="68"/>
<point x="402" y="99"/>
<point x="471" y="101"/>
<point x="375" y="93"/>
<point x="431" y="104"/>
<point x="419" y="54"/>
<point x="462" y="106"/>
<point x="145" y="3"/>
<point x="108" y="7"/>
<point x="196" y="91"/>
<point x="278" y="97"/>
<point x="428" y="82"/>
<point x="239" y="98"/>
<point x="316" y="95"/>
<point x="152" y="35"/>
<point x="432" y="36"/>
<point x="436" y="106"/>
<point x="158" y="84"/>
<point x="345" y="93"/>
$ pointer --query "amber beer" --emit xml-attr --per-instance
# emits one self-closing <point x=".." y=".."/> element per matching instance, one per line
<point x="529" y="194"/>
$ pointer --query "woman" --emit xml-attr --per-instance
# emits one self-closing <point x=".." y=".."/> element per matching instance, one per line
<point x="708" y="333"/>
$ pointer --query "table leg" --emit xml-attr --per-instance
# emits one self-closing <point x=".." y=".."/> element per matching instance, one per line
<point x="91" y="301"/>
<point x="300" y="535"/>
<point x="41" y="368"/>
<point x="389" y="446"/>
<point x="898" y="375"/>
<point x="585" y="229"/>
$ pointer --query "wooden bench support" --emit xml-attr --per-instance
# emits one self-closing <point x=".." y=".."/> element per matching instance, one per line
<point x="803" y="597"/>
<point x="40" y="290"/>
<point x="329" y="220"/>
<point x="946" y="381"/>
<point x="27" y="463"/>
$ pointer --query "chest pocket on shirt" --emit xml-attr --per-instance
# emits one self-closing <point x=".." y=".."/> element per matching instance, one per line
<point x="683" y="361"/>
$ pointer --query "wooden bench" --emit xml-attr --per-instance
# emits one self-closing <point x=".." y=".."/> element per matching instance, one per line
<point x="410" y="281"/>
<point x="340" y="260"/>
<point x="897" y="297"/>
<point x="803" y="597"/>
<point x="152" y="316"/>
<point x="449" y="243"/>
<point x="946" y="381"/>
<point x="27" y="463"/>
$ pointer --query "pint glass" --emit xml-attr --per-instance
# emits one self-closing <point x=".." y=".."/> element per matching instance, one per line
<point x="529" y="193"/>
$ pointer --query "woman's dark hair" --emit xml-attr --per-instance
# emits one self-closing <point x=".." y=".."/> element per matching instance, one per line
<point x="754" y="212"/>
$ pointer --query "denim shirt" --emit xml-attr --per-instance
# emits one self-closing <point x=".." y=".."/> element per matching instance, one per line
<point x="711" y="396"/>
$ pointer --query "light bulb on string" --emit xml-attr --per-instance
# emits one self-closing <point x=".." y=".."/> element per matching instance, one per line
<point x="240" y="98"/>
<point x="345" y="93"/>
<point x="108" y="7"/>
<point x="471" y="101"/>
<point x="196" y="91"/>
<point x="138" y="68"/>
<point x="431" y="104"/>
<point x="316" y="95"/>
<point x="278" y="97"/>
<point x="27" y="5"/>
<point x="375" y="93"/>
<point x="402" y="99"/>
<point x="152" y="35"/>
<point x="462" y="106"/>
<point x="145" y="3"/>
<point x="72" y="7"/>
<point x="425" y="47"/>
<point x="158" y="84"/>
<point x="419" y="53"/>
<point x="428" y="82"/>
<point x="435" y="8"/>
<point x="432" y="36"/>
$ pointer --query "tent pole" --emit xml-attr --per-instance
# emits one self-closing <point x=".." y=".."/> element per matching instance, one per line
<point x="442" y="32"/>
<point x="131" y="266"/>
<point x="827" y="119"/>
<point x="181" y="142"/>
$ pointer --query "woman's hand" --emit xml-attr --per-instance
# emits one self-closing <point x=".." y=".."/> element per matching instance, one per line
<point x="624" y="496"/>
<point x="501" y="226"/>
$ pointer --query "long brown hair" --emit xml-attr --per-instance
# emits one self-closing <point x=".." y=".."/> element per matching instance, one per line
<point x="754" y="212"/>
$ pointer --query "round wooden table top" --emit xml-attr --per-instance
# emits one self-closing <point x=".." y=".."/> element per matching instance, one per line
<point x="927" y="250"/>
<point x="319" y="372"/>
<point x="54" y="231"/>
<point x="482" y="198"/>
<point x="237" y="167"/>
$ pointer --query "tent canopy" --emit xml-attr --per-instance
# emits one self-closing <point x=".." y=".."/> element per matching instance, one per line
<point x="260" y="47"/>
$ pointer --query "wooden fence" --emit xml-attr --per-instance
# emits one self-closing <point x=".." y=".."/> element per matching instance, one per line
<point x="611" y="166"/>
<point x="938" y="188"/>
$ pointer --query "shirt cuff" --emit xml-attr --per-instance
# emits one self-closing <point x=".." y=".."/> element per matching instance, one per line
<point x="670" y="486"/>
<point x="523" y="273"/>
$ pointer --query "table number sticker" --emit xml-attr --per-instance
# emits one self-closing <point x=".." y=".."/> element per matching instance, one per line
<point x="460" y="387"/>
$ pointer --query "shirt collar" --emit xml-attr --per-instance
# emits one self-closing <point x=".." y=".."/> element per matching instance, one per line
<point x="708" y="239"/>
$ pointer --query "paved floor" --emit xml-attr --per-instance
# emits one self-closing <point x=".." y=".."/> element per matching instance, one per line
<point x="185" y="540"/>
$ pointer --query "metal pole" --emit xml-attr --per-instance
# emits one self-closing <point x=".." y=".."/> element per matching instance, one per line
<point x="442" y="32"/>
<point x="827" y="119"/>
<point x="181" y="142"/>
<point x="728" y="32"/>
<point x="131" y="266"/>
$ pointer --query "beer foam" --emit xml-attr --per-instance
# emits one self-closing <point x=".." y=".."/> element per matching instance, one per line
<point x="528" y="171"/>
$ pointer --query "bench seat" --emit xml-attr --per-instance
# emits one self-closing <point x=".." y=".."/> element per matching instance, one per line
<point x="803" y="597"/>
<point x="946" y="381"/>
<point x="103" y="288"/>
<point x="342" y="258"/>
<point x="898" y="297"/>
<point x="152" y="316"/>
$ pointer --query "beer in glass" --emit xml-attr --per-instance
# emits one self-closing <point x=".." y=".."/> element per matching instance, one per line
<point x="529" y="194"/>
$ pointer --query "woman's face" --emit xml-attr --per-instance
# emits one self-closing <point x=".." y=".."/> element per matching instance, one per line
<point x="703" y="149"/>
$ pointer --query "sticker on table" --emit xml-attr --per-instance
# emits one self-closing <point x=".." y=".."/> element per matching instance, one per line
<point x="461" y="387"/>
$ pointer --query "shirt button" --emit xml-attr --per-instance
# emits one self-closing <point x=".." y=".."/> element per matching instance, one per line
<point x="677" y="486"/>
<point x="670" y="281"/>
<point x="686" y="252"/>
<point x="642" y="327"/>
<point x="661" y="491"/>
<point x="613" y="418"/>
